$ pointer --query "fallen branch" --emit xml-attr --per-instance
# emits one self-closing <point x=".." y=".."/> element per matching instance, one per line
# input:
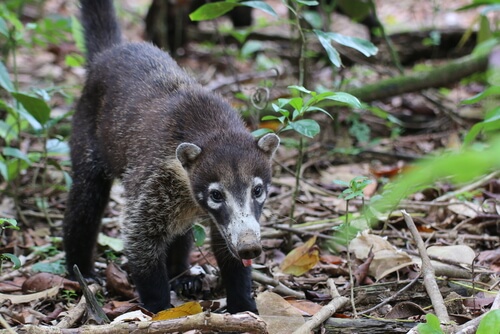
<point x="77" y="312"/>
<point x="326" y="311"/>
<point x="279" y="287"/>
<point x="428" y="274"/>
<point x="470" y="327"/>
<point x="242" y="322"/>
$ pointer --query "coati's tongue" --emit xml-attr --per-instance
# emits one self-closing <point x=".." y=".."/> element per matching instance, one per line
<point x="246" y="263"/>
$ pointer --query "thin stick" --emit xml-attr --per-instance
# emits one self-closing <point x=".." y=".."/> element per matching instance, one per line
<point x="428" y="272"/>
<point x="326" y="311"/>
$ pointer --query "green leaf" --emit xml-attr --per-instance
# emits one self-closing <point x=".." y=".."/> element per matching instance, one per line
<point x="341" y="183"/>
<point x="297" y="103"/>
<point x="367" y="48"/>
<point x="263" y="6"/>
<point x="260" y="132"/>
<point x="5" y="81"/>
<point x="300" y="89"/>
<point x="332" y="53"/>
<point x="212" y="10"/>
<point x="74" y="60"/>
<point x="308" y="2"/>
<point x="16" y="153"/>
<point x="77" y="32"/>
<point x="3" y="28"/>
<point x="36" y="106"/>
<point x="250" y="48"/>
<point x="346" y="98"/>
<point x="115" y="244"/>
<point x="493" y="90"/>
<point x="432" y="325"/>
<point x="57" y="147"/>
<point x="199" y="235"/>
<point x="490" y="324"/>
<point x="56" y="267"/>
<point x="14" y="259"/>
<point x="490" y="124"/>
<point x="306" y="127"/>
<point x="10" y="223"/>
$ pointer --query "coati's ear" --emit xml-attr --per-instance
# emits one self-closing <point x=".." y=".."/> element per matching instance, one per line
<point x="269" y="144"/>
<point x="186" y="153"/>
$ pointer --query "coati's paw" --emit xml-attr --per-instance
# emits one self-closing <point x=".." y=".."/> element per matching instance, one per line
<point x="189" y="286"/>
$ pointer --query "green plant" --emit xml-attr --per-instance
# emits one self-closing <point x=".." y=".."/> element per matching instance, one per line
<point x="490" y="324"/>
<point x="431" y="326"/>
<point x="8" y="223"/>
<point x="69" y="296"/>
<point x="28" y="110"/>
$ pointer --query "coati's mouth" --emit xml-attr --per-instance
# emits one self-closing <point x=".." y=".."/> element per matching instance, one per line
<point x="244" y="252"/>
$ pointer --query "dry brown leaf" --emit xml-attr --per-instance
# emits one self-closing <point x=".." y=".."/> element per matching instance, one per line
<point x="387" y="259"/>
<point x="301" y="259"/>
<point x="280" y="316"/>
<point x="183" y="310"/>
<point x="307" y="307"/>
<point x="20" y="299"/>
<point x="44" y="281"/>
<point x="117" y="281"/>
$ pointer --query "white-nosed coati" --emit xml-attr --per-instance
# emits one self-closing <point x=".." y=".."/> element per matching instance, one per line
<point x="181" y="152"/>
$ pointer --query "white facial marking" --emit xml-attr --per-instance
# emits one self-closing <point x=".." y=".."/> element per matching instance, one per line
<point x="200" y="196"/>
<point x="242" y="220"/>
<point x="210" y="202"/>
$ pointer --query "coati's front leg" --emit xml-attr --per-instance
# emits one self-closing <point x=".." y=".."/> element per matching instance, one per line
<point x="236" y="278"/>
<point x="87" y="200"/>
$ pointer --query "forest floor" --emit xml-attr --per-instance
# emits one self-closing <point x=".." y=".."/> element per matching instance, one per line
<point x="459" y="223"/>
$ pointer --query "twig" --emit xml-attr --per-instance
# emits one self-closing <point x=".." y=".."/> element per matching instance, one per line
<point x="468" y="187"/>
<point x="279" y="287"/>
<point x="428" y="272"/>
<point x="326" y="311"/>
<point x="241" y="322"/>
<point x="95" y="310"/>
<point x="406" y="287"/>
<point x="77" y="312"/>
<point x="470" y="327"/>
<point x="6" y="325"/>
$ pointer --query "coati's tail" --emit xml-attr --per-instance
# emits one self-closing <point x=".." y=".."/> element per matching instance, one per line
<point x="101" y="29"/>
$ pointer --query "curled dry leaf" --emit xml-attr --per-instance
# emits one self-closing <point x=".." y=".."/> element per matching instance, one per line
<point x="387" y="259"/>
<point x="117" y="282"/>
<point x="301" y="259"/>
<point x="44" y="281"/>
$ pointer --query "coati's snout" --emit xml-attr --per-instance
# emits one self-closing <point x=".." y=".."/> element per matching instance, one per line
<point x="248" y="246"/>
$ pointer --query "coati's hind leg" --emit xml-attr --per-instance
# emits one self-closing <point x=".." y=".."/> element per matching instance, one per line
<point x="236" y="278"/>
<point x="87" y="200"/>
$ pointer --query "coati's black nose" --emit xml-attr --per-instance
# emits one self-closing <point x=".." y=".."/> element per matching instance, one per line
<point x="249" y="251"/>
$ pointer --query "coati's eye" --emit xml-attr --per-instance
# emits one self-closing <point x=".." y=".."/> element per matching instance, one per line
<point x="258" y="191"/>
<point x="216" y="196"/>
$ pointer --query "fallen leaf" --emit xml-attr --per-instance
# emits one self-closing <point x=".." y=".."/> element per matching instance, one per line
<point x="20" y="299"/>
<point x="307" y="307"/>
<point x="464" y="208"/>
<point x="117" y="281"/>
<point x="132" y="317"/>
<point x="183" y="310"/>
<point x="301" y="259"/>
<point x="404" y="310"/>
<point x="44" y="281"/>
<point x="387" y="259"/>
<point x="280" y="316"/>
